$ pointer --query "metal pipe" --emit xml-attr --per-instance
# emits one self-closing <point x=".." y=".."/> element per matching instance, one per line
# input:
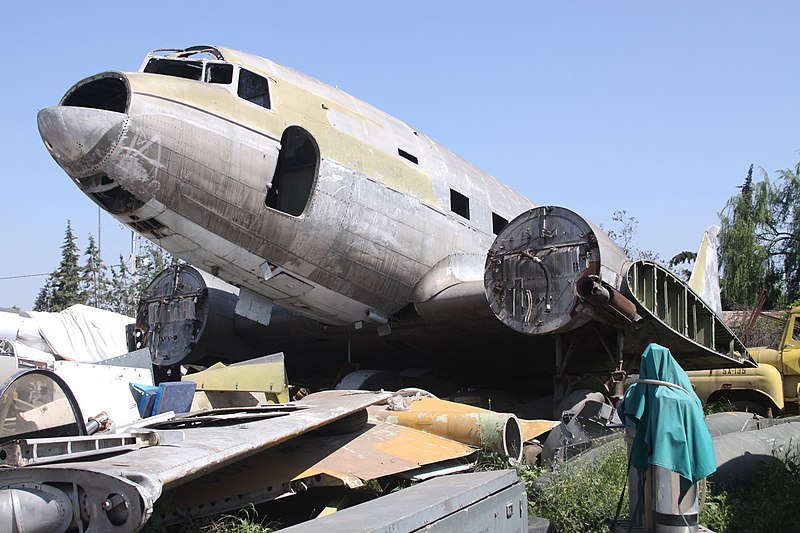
<point x="600" y="294"/>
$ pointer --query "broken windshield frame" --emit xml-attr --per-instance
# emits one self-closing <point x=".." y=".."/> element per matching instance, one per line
<point x="207" y="71"/>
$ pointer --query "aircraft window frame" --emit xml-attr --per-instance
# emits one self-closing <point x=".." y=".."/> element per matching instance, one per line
<point x="406" y="155"/>
<point x="176" y="68"/>
<point x="498" y="223"/>
<point x="459" y="204"/>
<point x="256" y="95"/>
<point x="218" y="73"/>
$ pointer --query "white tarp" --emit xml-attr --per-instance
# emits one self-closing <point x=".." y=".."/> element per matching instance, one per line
<point x="79" y="333"/>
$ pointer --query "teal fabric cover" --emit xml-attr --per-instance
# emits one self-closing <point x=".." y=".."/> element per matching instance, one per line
<point x="670" y="428"/>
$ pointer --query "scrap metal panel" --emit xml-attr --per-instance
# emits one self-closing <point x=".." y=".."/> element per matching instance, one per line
<point x="492" y="501"/>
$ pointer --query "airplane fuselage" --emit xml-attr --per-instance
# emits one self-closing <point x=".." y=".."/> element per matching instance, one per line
<point x="298" y="192"/>
<point x="347" y="232"/>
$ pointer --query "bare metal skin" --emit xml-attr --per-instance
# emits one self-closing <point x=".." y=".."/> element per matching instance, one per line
<point x="349" y="235"/>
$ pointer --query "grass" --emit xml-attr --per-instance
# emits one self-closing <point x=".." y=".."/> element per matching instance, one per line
<point x="582" y="494"/>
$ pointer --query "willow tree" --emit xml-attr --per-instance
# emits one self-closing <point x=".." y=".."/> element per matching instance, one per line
<point x="759" y="241"/>
<point x="782" y="231"/>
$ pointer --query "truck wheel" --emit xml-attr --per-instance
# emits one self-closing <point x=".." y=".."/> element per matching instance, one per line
<point x="748" y="406"/>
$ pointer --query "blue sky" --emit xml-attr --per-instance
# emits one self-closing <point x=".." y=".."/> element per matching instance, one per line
<point x="654" y="108"/>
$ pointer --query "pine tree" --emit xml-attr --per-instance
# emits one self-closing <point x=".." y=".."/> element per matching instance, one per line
<point x="122" y="299"/>
<point x="94" y="278"/>
<point x="44" y="300"/>
<point x="66" y="290"/>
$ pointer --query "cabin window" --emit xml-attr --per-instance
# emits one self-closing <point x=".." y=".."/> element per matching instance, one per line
<point x="295" y="173"/>
<point x="459" y="204"/>
<point x="408" y="156"/>
<point x="253" y="88"/>
<point x="498" y="223"/>
<point x="219" y="73"/>
<point x="191" y="70"/>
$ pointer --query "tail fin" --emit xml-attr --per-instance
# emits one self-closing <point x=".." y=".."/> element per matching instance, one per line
<point x="705" y="274"/>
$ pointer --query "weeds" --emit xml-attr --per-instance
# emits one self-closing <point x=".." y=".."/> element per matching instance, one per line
<point x="582" y="494"/>
<point x="766" y="504"/>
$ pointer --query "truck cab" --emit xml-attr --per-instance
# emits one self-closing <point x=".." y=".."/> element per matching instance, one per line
<point x="772" y="387"/>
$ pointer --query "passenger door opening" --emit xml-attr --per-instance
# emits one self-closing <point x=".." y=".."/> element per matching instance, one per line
<point x="295" y="173"/>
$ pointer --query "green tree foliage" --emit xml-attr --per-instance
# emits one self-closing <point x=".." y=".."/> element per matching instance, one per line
<point x="89" y="284"/>
<point x="760" y="240"/>
<point x="122" y="298"/>
<point x="127" y="286"/>
<point x="44" y="299"/>
<point x="63" y="286"/>
<point x="150" y="261"/>
<point x="94" y="279"/>
<point x="685" y="257"/>
<point x="784" y="236"/>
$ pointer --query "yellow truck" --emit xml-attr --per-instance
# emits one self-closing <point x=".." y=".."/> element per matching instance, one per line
<point x="774" y="385"/>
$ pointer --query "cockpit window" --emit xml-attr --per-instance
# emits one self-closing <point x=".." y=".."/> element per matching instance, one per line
<point x="254" y="88"/>
<point x="251" y="87"/>
<point x="219" y="73"/>
<point x="191" y="70"/>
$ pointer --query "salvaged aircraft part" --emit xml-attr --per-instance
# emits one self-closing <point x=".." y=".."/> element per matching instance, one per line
<point x="37" y="403"/>
<point x="19" y="351"/>
<point x="310" y="461"/>
<point x="482" y="501"/>
<point x="371" y="380"/>
<point x="496" y="432"/>
<point x="185" y="315"/>
<point x="550" y="271"/>
<point x="36" y="509"/>
<point x="38" y="451"/>
<point x="704" y="279"/>
<point x="417" y="401"/>
<point x="737" y="421"/>
<point x="117" y="493"/>
<point x="138" y="358"/>
<point x="741" y="454"/>
<point x="100" y="387"/>
<point x="260" y="380"/>
<point x="733" y="422"/>
<point x="94" y="501"/>
<point x="587" y="421"/>
<point x="678" y="318"/>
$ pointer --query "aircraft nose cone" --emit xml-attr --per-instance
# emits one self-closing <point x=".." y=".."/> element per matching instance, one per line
<point x="80" y="138"/>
